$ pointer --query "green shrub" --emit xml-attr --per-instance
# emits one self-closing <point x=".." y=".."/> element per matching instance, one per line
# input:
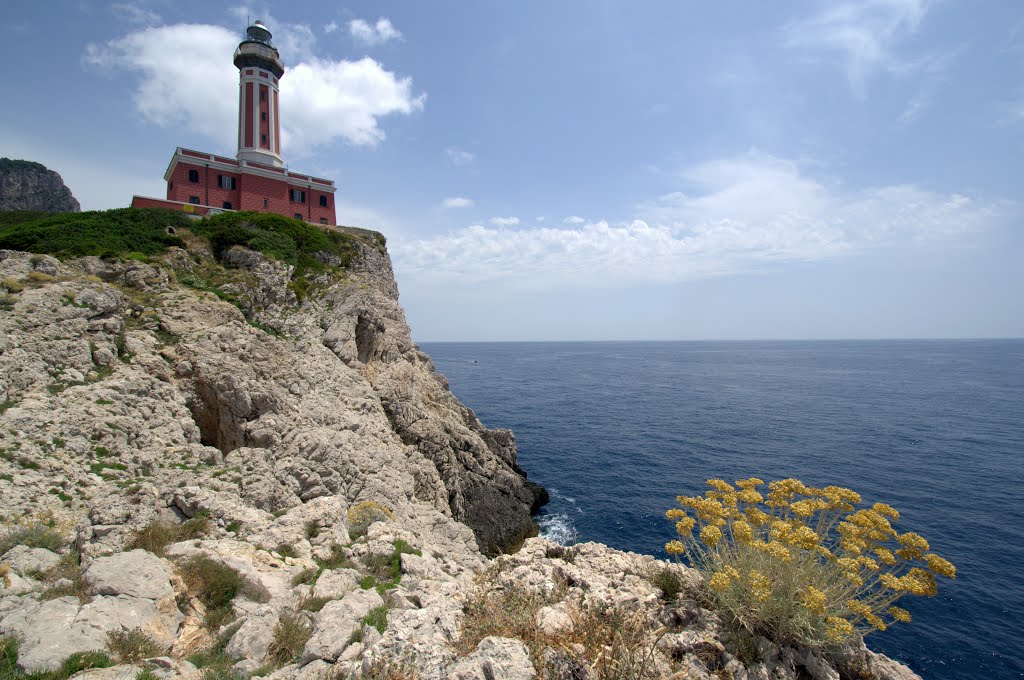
<point x="668" y="581"/>
<point x="377" y="617"/>
<point x="291" y="634"/>
<point x="306" y="577"/>
<point x="105" y="233"/>
<point x="338" y="559"/>
<point x="311" y="603"/>
<point x="34" y="535"/>
<point x="156" y="536"/>
<point x="281" y="238"/>
<point x="215" y="585"/>
<point x="81" y="661"/>
<point x="802" y="566"/>
<point x="8" y="657"/>
<point x="194" y="527"/>
<point x="132" y="646"/>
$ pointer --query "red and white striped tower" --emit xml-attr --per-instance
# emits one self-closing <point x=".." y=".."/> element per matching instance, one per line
<point x="259" y="121"/>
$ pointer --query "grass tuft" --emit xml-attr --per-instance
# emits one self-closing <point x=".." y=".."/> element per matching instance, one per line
<point x="291" y="634"/>
<point x="132" y="646"/>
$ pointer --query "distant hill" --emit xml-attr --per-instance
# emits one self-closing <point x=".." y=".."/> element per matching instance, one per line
<point x="27" y="185"/>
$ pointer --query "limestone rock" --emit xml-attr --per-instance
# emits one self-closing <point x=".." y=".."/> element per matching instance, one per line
<point x="25" y="185"/>
<point x="25" y="561"/>
<point x="335" y="583"/>
<point x="334" y="624"/>
<point x="254" y="637"/>
<point x="136" y="573"/>
<point x="495" y="657"/>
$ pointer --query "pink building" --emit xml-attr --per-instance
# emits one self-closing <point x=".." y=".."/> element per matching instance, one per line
<point x="256" y="179"/>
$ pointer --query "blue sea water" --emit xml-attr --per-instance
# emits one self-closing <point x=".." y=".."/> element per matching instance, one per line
<point x="934" y="428"/>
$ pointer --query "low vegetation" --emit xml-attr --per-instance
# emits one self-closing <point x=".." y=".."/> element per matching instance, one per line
<point x="801" y="565"/>
<point x="132" y="646"/>
<point x="605" y="641"/>
<point x="288" y="240"/>
<point x="216" y="585"/>
<point x="291" y="634"/>
<point x="363" y="514"/>
<point x="104" y="233"/>
<point x="75" y="663"/>
<point x="156" y="536"/>
<point x="385" y="571"/>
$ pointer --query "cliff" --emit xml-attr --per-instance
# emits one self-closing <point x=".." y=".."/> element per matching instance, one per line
<point x="26" y="185"/>
<point x="220" y="462"/>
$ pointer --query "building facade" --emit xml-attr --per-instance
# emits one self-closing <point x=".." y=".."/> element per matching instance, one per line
<point x="256" y="179"/>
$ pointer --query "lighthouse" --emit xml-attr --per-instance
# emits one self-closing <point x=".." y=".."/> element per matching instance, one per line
<point x="256" y="179"/>
<point x="259" y="120"/>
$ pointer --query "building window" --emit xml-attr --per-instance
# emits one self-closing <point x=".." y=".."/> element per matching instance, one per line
<point x="323" y="220"/>
<point x="297" y="195"/>
<point x="225" y="182"/>
<point x="193" y="176"/>
<point x="263" y="95"/>
<point x="263" y="139"/>
<point x="323" y="201"/>
<point x="263" y="115"/>
<point x="170" y="185"/>
<point x="227" y="205"/>
<point x="265" y="203"/>
<point x="193" y="200"/>
<point x="298" y="216"/>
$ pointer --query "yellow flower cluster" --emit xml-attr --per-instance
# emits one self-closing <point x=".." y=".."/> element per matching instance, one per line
<point x="899" y="614"/>
<point x="722" y="579"/>
<point x="760" y="586"/>
<point x="940" y="566"/>
<point x="711" y="535"/>
<point x="838" y="628"/>
<point x="814" y="600"/>
<point x="793" y="542"/>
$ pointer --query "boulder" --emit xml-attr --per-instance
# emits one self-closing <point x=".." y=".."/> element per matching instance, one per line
<point x="495" y="657"/>
<point x="137" y="573"/>
<point x="26" y="561"/>
<point x="334" y="624"/>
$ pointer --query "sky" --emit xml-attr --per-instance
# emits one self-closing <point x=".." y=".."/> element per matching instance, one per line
<point x="590" y="169"/>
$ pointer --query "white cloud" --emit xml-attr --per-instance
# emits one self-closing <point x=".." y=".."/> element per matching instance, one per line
<point x="504" y="221"/>
<point x="135" y="14"/>
<point x="573" y="219"/>
<point x="331" y="27"/>
<point x="738" y="214"/>
<point x="457" y="202"/>
<point x="863" y="33"/>
<point x="373" y="34"/>
<point x="459" y="157"/>
<point x="186" y="79"/>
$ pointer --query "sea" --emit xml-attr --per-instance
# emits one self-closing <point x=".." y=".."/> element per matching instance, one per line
<point x="616" y="430"/>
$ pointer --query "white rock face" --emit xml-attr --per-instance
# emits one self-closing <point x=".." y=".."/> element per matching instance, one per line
<point x="495" y="657"/>
<point x="25" y="561"/>
<point x="136" y="574"/>
<point x="334" y="625"/>
<point x="138" y="411"/>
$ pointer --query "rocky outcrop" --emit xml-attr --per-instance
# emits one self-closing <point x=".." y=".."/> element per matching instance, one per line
<point x="283" y="486"/>
<point x="325" y="404"/>
<point x="26" y="185"/>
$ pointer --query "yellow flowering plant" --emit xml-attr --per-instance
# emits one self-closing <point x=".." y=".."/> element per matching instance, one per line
<point x="802" y="565"/>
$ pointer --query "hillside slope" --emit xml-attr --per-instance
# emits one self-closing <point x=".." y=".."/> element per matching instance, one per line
<point x="225" y="461"/>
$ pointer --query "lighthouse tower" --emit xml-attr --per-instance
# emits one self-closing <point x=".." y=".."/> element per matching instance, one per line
<point x="259" y="121"/>
<point x="200" y="183"/>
